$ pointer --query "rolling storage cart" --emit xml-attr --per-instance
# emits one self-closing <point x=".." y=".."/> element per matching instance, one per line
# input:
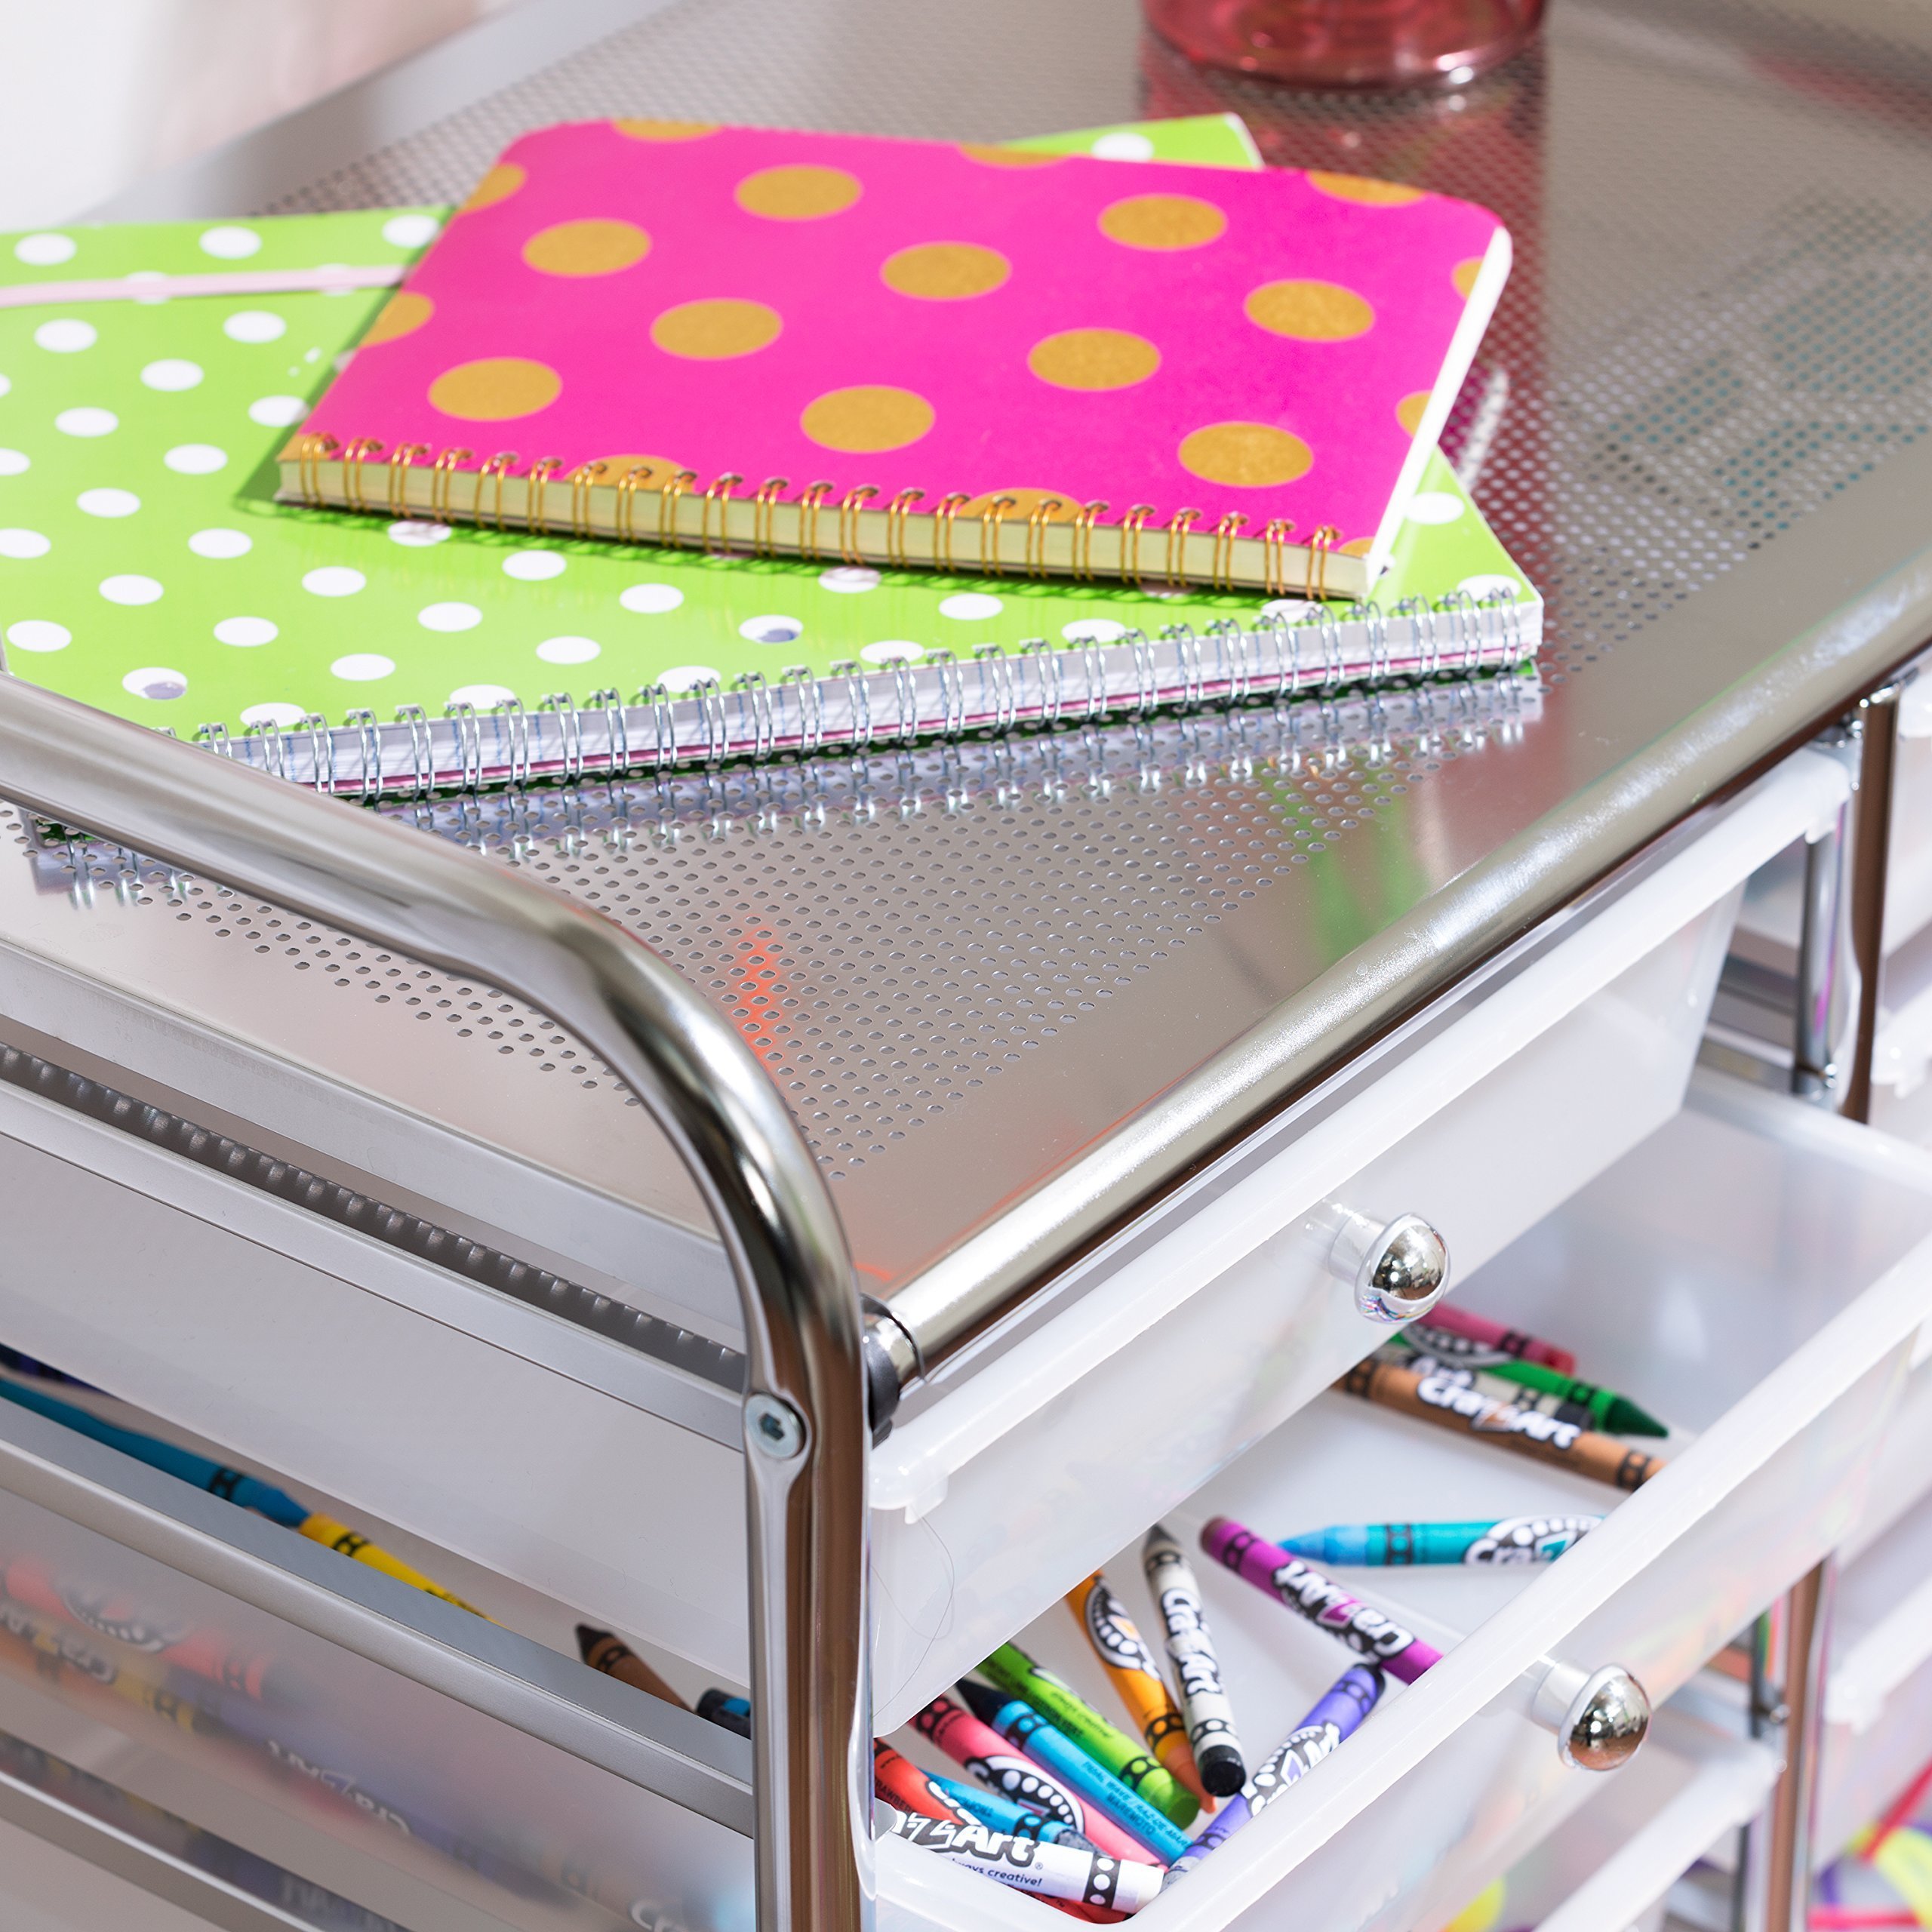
<point x="934" y="1167"/>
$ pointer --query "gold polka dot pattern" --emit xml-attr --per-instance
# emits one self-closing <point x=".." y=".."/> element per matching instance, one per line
<point x="802" y="193"/>
<point x="1308" y="311"/>
<point x="1245" y="456"/>
<point x="498" y="185"/>
<point x="586" y="247"/>
<point x="495" y="389"/>
<point x="867" y="418"/>
<point x="665" y="131"/>
<point x="1363" y="189"/>
<point x="714" y="331"/>
<point x="1163" y="223"/>
<point x="402" y="315"/>
<point x="1094" y="359"/>
<point x="945" y="271"/>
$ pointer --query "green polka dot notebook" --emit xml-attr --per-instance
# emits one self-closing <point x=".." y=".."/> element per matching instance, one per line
<point x="145" y="567"/>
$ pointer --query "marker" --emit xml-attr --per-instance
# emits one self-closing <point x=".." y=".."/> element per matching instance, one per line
<point x="1445" y="1320"/>
<point x="1615" y="1414"/>
<point x="1019" y="1723"/>
<point x="1014" y="1671"/>
<point x="1451" y="1405"/>
<point x="972" y="1743"/>
<point x="721" y="1707"/>
<point x="1337" y="1713"/>
<point x="246" y="1492"/>
<point x="1003" y="1815"/>
<point x="615" y="1658"/>
<point x="1210" y="1718"/>
<point x="1319" y="1598"/>
<point x="900" y="1782"/>
<point x="1514" y="1539"/>
<point x="1124" y="1657"/>
<point x="1047" y="1871"/>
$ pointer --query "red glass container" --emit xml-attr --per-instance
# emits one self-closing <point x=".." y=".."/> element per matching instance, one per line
<point x="1349" y="43"/>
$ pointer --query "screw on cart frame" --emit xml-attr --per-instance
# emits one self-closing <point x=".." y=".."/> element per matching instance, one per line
<point x="805" y="1410"/>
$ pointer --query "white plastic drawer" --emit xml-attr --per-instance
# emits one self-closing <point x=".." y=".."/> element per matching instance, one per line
<point x="475" y="1421"/>
<point x="1756" y="1272"/>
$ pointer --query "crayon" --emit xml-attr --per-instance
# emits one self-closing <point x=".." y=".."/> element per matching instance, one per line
<point x="721" y="1707"/>
<point x="1210" y="1718"/>
<point x="1337" y="1713"/>
<point x="1438" y="1399"/>
<point x="1446" y="1321"/>
<point x="1019" y="1723"/>
<point x="1003" y="1815"/>
<point x="1014" y="1671"/>
<point x="615" y="1658"/>
<point x="16" y="1364"/>
<point x="1323" y="1601"/>
<point x="1514" y="1539"/>
<point x="976" y="1746"/>
<point x="203" y="1652"/>
<point x="1614" y="1414"/>
<point x="246" y="1492"/>
<point x="899" y="1781"/>
<point x="1047" y="1871"/>
<point x="1124" y="1657"/>
<point x="58" y="1653"/>
<point x="1487" y="1382"/>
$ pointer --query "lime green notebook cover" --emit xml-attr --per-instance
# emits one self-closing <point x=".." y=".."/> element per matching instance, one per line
<point x="145" y="568"/>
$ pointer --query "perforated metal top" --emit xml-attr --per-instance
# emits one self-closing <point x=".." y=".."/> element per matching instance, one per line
<point x="1699" y="421"/>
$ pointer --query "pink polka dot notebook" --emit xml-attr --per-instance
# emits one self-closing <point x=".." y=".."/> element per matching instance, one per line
<point x="911" y="353"/>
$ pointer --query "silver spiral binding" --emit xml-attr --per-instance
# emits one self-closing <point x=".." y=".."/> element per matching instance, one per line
<point x="1317" y="651"/>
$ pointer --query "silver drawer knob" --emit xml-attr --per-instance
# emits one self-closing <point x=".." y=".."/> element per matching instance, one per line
<point x="1398" y="1268"/>
<point x="1600" y="1717"/>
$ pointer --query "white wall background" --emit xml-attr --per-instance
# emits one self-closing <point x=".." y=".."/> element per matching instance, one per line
<point x="96" y="94"/>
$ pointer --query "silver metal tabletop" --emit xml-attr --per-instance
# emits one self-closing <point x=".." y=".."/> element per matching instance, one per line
<point x="1010" y="998"/>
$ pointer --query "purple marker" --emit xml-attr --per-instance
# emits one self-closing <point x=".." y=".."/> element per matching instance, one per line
<point x="1340" y="1709"/>
<point x="1319" y="1598"/>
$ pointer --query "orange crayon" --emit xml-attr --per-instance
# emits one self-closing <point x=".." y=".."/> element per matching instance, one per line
<point x="1125" y="1657"/>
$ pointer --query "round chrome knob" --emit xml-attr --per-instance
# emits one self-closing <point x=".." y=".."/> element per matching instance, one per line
<point x="1398" y="1268"/>
<point x="1606" y="1715"/>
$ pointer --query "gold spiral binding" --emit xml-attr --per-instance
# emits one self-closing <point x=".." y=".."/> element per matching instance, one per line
<point x="536" y="493"/>
<point x="1275" y="536"/>
<point x="992" y="523"/>
<point x="950" y="507"/>
<point x="493" y="472"/>
<point x="1037" y="520"/>
<point x="354" y="482"/>
<point x="853" y="502"/>
<point x="311" y="452"/>
<point x="1179" y="524"/>
<point x="811" y="500"/>
<point x="1083" y="538"/>
<point x="1225" y="531"/>
<point x="441" y="471"/>
<point x="765" y="515"/>
<point x="628" y="486"/>
<point x="581" y="479"/>
<point x="719" y="492"/>
<point x="1318" y="547"/>
<point x="1132" y="526"/>
<point x="401" y="458"/>
<point x="895" y="514"/>
<point x="678" y="487"/>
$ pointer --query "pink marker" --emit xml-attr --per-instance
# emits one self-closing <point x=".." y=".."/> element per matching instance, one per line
<point x="1319" y="1598"/>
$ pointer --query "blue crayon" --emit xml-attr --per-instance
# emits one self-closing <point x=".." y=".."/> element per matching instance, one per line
<point x="720" y="1707"/>
<point x="1003" y="1815"/>
<point x="1019" y="1723"/>
<point x="1337" y="1713"/>
<point x="1486" y="1544"/>
<point x="248" y="1492"/>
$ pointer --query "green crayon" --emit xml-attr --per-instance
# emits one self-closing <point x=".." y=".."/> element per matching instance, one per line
<point x="1017" y="1674"/>
<point x="1614" y="1414"/>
